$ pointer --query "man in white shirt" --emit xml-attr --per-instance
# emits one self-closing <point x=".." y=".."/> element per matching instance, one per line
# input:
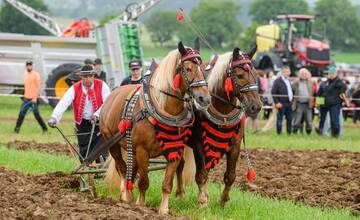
<point x="86" y="97"/>
<point x="283" y="96"/>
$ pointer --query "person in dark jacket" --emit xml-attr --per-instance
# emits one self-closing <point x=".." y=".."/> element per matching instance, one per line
<point x="356" y="101"/>
<point x="282" y="95"/>
<point x="333" y="92"/>
<point x="100" y="74"/>
<point x="135" y="67"/>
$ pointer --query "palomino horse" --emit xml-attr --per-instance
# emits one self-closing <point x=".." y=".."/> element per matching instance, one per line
<point x="165" y="110"/>
<point x="219" y="130"/>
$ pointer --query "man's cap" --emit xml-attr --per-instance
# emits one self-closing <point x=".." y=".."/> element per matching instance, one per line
<point x="29" y="62"/>
<point x="97" y="61"/>
<point x="88" y="61"/>
<point x="330" y="69"/>
<point x="87" y="70"/>
<point x="135" y="64"/>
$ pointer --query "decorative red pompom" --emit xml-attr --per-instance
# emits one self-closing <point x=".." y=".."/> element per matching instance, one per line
<point x="129" y="185"/>
<point x="250" y="174"/>
<point x="177" y="81"/>
<point x="124" y="124"/>
<point x="228" y="86"/>
<point x="243" y="118"/>
<point x="180" y="16"/>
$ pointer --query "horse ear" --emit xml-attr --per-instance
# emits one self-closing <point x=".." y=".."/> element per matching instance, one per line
<point x="197" y="44"/>
<point x="236" y="53"/>
<point x="181" y="49"/>
<point x="252" y="51"/>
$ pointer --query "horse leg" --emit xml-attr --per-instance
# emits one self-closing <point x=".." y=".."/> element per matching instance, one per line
<point x="142" y="158"/>
<point x="201" y="177"/>
<point x="120" y="166"/>
<point x="230" y="173"/>
<point x="167" y="186"/>
<point x="180" y="192"/>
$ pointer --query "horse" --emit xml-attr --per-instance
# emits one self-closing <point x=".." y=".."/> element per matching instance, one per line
<point x="164" y="106"/>
<point x="220" y="129"/>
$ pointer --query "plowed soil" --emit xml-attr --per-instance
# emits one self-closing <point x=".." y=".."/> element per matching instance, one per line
<point x="320" y="178"/>
<point x="52" y="148"/>
<point x="55" y="196"/>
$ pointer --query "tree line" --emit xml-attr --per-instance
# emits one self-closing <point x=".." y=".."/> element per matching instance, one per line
<point x="218" y="21"/>
<point x="336" y="21"/>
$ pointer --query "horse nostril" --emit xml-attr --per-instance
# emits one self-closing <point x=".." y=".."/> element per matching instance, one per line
<point x="201" y="99"/>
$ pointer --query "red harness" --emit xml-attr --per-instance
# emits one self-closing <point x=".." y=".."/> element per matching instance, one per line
<point x="216" y="140"/>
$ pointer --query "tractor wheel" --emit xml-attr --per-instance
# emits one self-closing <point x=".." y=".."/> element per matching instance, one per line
<point x="56" y="84"/>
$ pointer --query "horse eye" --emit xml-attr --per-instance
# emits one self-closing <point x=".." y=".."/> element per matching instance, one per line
<point x="240" y="76"/>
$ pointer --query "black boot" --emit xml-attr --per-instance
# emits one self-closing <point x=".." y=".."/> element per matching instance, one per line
<point x="41" y="122"/>
<point x="308" y="131"/>
<point x="335" y="132"/>
<point x="19" y="122"/>
<point x="319" y="131"/>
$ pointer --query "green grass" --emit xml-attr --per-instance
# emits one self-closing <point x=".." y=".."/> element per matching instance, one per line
<point x="34" y="162"/>
<point x="350" y="141"/>
<point x="30" y="129"/>
<point x="343" y="57"/>
<point x="242" y="205"/>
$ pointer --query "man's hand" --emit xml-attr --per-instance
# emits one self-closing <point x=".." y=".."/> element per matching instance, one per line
<point x="52" y="122"/>
<point x="34" y="100"/>
<point x="94" y="119"/>
<point x="278" y="105"/>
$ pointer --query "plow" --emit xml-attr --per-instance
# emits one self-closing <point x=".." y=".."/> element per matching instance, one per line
<point x="88" y="170"/>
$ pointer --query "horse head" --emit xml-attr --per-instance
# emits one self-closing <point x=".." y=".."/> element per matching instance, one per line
<point x="244" y="79"/>
<point x="189" y="77"/>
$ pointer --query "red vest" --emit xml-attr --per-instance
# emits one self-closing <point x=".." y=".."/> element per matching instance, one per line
<point x="95" y="95"/>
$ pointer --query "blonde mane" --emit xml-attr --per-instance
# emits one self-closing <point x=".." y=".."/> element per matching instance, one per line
<point x="218" y="73"/>
<point x="164" y="75"/>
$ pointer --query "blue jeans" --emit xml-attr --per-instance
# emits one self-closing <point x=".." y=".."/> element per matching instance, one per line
<point x="334" y="118"/>
<point x="26" y="105"/>
<point x="285" y="110"/>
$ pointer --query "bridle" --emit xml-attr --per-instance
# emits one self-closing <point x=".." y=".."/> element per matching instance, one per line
<point x="192" y="56"/>
<point x="243" y="62"/>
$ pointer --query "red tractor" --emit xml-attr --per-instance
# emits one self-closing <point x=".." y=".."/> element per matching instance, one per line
<point x="289" y="41"/>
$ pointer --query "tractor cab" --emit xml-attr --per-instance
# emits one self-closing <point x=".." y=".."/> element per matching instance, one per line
<point x="288" y="41"/>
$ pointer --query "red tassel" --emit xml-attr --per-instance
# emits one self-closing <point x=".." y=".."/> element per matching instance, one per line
<point x="228" y="86"/>
<point x="180" y="16"/>
<point x="250" y="174"/>
<point x="124" y="124"/>
<point x="129" y="185"/>
<point x="177" y="81"/>
<point x="243" y="118"/>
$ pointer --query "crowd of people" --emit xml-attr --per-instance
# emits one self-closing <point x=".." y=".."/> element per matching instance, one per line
<point x="298" y="99"/>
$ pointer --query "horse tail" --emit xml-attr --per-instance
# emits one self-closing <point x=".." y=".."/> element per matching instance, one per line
<point x="188" y="174"/>
<point x="112" y="177"/>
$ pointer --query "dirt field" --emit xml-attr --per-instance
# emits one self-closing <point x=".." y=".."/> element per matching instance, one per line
<point x="319" y="178"/>
<point x="54" y="196"/>
<point x="52" y="148"/>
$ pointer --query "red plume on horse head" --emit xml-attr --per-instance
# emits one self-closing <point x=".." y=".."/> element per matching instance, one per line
<point x="187" y="54"/>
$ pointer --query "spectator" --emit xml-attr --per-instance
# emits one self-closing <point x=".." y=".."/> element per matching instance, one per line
<point x="254" y="122"/>
<point x="333" y="91"/>
<point x="356" y="101"/>
<point x="135" y="67"/>
<point x="32" y="83"/>
<point x="282" y="95"/>
<point x="268" y="101"/>
<point x="100" y="74"/>
<point x="302" y="105"/>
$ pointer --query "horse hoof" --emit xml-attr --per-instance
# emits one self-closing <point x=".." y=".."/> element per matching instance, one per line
<point x="203" y="205"/>
<point x="163" y="211"/>
<point x="180" y="195"/>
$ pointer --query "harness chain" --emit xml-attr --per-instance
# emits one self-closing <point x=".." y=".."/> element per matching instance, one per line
<point x="129" y="147"/>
